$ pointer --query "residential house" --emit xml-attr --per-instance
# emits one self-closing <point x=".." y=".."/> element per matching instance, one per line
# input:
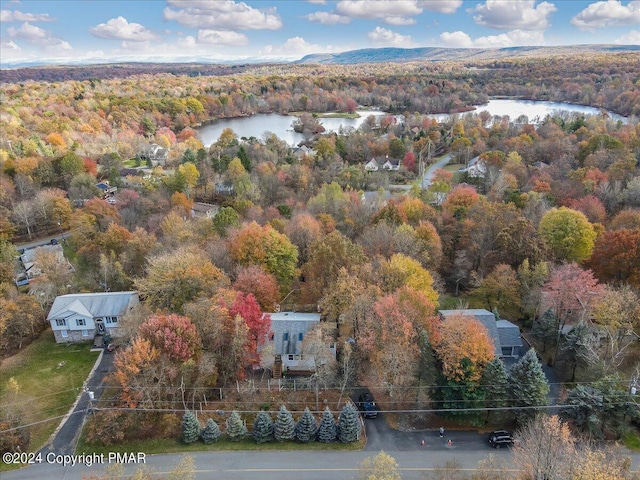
<point x="505" y="335"/>
<point x="375" y="200"/>
<point x="475" y="168"/>
<point x="106" y="190"/>
<point x="382" y="163"/>
<point x="288" y="330"/>
<point x="28" y="266"/>
<point x="224" y="188"/>
<point x="155" y="154"/>
<point x="302" y="151"/>
<point x="204" y="210"/>
<point x="82" y="316"/>
<point x="510" y="338"/>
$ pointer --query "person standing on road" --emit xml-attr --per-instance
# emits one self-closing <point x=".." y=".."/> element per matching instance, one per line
<point x="441" y="432"/>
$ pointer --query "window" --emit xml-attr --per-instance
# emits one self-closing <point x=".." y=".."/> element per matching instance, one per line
<point x="81" y="322"/>
<point x="290" y="357"/>
<point x="112" y="320"/>
<point x="285" y="336"/>
<point x="61" y="322"/>
<point x="64" y="333"/>
<point x="85" y="333"/>
<point x="300" y="336"/>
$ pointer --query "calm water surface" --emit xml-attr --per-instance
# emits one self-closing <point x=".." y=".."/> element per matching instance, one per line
<point x="282" y="125"/>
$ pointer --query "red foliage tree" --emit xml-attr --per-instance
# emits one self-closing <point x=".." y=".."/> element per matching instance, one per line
<point x="246" y="306"/>
<point x="174" y="336"/>
<point x="257" y="281"/>
<point x="616" y="256"/>
<point x="591" y="206"/>
<point x="409" y="162"/>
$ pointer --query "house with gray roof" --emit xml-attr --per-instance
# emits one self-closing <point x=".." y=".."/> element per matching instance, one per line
<point x="81" y="316"/>
<point x="505" y="335"/>
<point x="510" y="338"/>
<point x="288" y="330"/>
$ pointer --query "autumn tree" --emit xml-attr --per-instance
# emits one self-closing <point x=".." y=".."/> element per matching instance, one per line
<point x="258" y="323"/>
<point x="381" y="467"/>
<point x="401" y="270"/>
<point x="571" y="292"/>
<point x="568" y="234"/>
<point x="546" y="449"/>
<point x="326" y="257"/>
<point x="252" y="244"/>
<point x="464" y="337"/>
<point x="616" y="256"/>
<point x="459" y="200"/>
<point x="262" y="285"/>
<point x="499" y="291"/>
<point x="175" y="337"/>
<point x="175" y="278"/>
<point x="303" y="230"/>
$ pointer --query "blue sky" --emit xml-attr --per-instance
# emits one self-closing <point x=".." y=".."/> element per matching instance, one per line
<point x="87" y="31"/>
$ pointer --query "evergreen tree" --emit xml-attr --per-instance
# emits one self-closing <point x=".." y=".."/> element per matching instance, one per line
<point x="244" y="158"/>
<point x="211" y="432"/>
<point x="546" y="329"/>
<point x="263" y="428"/>
<point x="495" y="385"/>
<point x="235" y="427"/>
<point x="190" y="428"/>
<point x="529" y="386"/>
<point x="306" y="427"/>
<point x="189" y="156"/>
<point x="284" y="428"/>
<point x="327" y="432"/>
<point x="348" y="424"/>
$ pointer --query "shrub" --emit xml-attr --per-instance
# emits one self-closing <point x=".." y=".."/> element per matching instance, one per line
<point x="190" y="428"/>
<point x="211" y="432"/>
<point x="235" y="427"/>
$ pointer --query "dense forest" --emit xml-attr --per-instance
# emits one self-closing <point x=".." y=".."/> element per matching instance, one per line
<point x="547" y="236"/>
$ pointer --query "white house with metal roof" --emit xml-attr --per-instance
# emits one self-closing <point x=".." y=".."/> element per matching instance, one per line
<point x="81" y="316"/>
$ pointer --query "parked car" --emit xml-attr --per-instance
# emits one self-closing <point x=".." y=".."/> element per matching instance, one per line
<point x="367" y="405"/>
<point x="500" y="438"/>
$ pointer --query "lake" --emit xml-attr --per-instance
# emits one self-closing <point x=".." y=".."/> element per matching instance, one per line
<point x="282" y="125"/>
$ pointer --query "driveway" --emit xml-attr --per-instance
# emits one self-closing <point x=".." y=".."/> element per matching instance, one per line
<point x="66" y="437"/>
<point x="428" y="174"/>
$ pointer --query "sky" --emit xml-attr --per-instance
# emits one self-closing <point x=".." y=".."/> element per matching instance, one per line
<point x="94" y="31"/>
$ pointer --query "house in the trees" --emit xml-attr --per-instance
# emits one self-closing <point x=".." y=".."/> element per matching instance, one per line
<point x="29" y="267"/>
<point x="475" y="169"/>
<point x="154" y="154"/>
<point x="300" y="152"/>
<point x="82" y="316"/>
<point x="106" y="190"/>
<point x="375" y="200"/>
<point x="382" y="163"/>
<point x="288" y="330"/>
<point x="498" y="330"/>
<point x="224" y="188"/>
<point x="204" y="210"/>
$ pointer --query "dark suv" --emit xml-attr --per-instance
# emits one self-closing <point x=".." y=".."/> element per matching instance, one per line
<point x="500" y="438"/>
<point x="367" y="405"/>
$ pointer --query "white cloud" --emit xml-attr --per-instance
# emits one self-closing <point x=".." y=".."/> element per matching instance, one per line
<point x="222" y="37"/>
<point x="383" y="36"/>
<point x="10" y="45"/>
<point x="456" y="39"/>
<point x="606" y="14"/>
<point x="441" y="6"/>
<point x="225" y="14"/>
<point x="120" y="29"/>
<point x="509" y="14"/>
<point x="296" y="47"/>
<point x="319" y="2"/>
<point x="17" y="16"/>
<point x="327" y="18"/>
<point x="38" y="36"/>
<point x="513" y="38"/>
<point x="393" y="12"/>
<point x="187" y="42"/>
<point x="631" y="38"/>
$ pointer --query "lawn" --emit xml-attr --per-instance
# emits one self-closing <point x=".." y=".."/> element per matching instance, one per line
<point x="49" y="376"/>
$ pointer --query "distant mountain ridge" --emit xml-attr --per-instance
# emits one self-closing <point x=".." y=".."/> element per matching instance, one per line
<point x="378" y="55"/>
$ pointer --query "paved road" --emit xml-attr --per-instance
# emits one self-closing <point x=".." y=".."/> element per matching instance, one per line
<point x="43" y="241"/>
<point x="428" y="174"/>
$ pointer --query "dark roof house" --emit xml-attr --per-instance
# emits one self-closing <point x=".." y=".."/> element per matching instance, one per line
<point x="485" y="317"/>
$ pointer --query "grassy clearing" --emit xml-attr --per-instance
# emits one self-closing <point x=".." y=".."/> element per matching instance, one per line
<point x="631" y="440"/>
<point x="175" y="446"/>
<point x="47" y="390"/>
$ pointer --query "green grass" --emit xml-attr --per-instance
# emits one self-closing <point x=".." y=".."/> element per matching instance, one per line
<point x="631" y="440"/>
<point x="175" y="446"/>
<point x="46" y="390"/>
